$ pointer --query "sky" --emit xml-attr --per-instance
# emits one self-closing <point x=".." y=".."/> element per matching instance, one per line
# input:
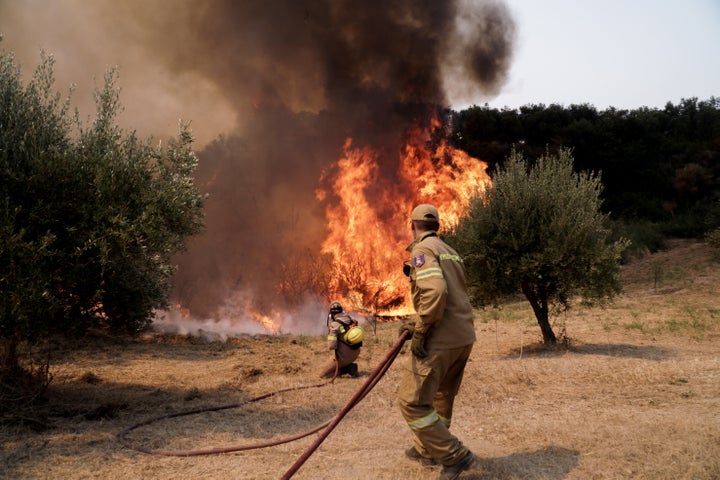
<point x="612" y="53"/>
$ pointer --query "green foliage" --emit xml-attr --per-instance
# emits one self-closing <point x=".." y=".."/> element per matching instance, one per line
<point x="659" y="165"/>
<point x="539" y="230"/>
<point x="89" y="217"/>
<point x="644" y="236"/>
<point x="713" y="239"/>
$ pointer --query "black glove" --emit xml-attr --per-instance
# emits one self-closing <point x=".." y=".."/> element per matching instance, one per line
<point x="408" y="325"/>
<point x="418" y="345"/>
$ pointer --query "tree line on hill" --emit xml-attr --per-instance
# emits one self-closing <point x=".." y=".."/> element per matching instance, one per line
<point x="660" y="168"/>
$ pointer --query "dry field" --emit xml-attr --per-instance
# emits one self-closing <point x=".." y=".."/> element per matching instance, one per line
<point x="633" y="393"/>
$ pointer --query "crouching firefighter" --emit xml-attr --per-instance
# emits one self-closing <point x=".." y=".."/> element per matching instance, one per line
<point x="345" y="338"/>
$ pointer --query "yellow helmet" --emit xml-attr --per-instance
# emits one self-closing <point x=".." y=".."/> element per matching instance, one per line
<point x="354" y="335"/>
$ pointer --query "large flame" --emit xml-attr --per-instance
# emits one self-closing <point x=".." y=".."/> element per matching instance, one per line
<point x="367" y="207"/>
<point x="369" y="226"/>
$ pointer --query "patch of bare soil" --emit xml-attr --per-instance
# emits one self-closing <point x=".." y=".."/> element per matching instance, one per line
<point x="632" y="392"/>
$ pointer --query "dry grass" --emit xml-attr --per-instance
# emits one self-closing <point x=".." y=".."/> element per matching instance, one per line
<point x="634" y="392"/>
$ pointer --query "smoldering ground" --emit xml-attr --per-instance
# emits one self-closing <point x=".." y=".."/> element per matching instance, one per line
<point x="273" y="89"/>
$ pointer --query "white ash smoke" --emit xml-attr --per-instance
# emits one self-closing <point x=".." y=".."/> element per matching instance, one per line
<point x="232" y="320"/>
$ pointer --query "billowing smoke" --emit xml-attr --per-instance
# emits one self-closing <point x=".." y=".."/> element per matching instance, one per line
<point x="273" y="88"/>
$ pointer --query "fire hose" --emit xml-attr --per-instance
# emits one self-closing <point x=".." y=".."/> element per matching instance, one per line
<point x="328" y="426"/>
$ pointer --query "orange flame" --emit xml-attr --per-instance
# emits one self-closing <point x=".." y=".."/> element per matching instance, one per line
<point x="367" y="215"/>
<point x="368" y="235"/>
<point x="266" y="321"/>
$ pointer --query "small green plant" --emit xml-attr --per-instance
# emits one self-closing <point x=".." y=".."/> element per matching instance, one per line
<point x="713" y="238"/>
<point x="692" y="323"/>
<point x="635" y="325"/>
<point x="485" y="315"/>
<point x="635" y="315"/>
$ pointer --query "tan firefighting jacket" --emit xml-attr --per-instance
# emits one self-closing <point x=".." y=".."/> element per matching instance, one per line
<point x="337" y="328"/>
<point x="439" y="293"/>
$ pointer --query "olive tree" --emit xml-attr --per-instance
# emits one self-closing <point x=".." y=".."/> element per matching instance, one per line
<point x="539" y="230"/>
<point x="90" y="215"/>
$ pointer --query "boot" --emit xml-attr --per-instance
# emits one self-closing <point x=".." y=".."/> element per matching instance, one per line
<point x="413" y="454"/>
<point x="351" y="370"/>
<point x="451" y="472"/>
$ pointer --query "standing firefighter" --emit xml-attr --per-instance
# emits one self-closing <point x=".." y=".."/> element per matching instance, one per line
<point x="442" y="338"/>
<point x="345" y="338"/>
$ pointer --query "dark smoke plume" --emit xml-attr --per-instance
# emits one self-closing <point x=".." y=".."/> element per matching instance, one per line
<point x="284" y="82"/>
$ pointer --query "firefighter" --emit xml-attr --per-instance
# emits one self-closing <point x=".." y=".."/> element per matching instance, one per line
<point x="345" y="339"/>
<point x="442" y="337"/>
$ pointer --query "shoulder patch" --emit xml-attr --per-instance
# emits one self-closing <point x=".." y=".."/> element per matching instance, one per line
<point x="419" y="260"/>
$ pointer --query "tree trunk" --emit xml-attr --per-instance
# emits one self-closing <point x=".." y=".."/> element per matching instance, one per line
<point x="10" y="363"/>
<point x="538" y="302"/>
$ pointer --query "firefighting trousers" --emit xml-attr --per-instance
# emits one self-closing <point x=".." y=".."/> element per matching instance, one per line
<point x="345" y="355"/>
<point x="426" y="396"/>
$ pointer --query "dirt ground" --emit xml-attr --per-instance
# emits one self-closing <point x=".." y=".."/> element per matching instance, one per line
<point x="633" y="392"/>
